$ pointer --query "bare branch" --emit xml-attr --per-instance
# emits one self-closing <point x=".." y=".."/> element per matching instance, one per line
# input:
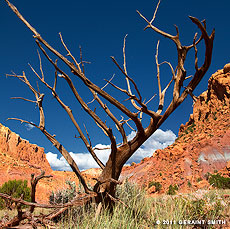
<point x="191" y="94"/>
<point x="69" y="112"/>
<point x="143" y="106"/>
<point x="102" y="89"/>
<point x="22" y="18"/>
<point x="34" y="182"/>
<point x="55" y="78"/>
<point x="162" y="93"/>
<point x="99" y="122"/>
<point x="188" y="77"/>
<point x="62" y="150"/>
<point x="69" y="53"/>
<point x="154" y="16"/>
<point x="122" y="121"/>
<point x="181" y="73"/>
<point x="75" y="71"/>
<point x="124" y="56"/>
<point x="127" y="79"/>
<point x="137" y="90"/>
<point x="170" y="65"/>
<point x="150" y="99"/>
<point x="24" y="99"/>
<point x="104" y="148"/>
<point x="107" y="82"/>
<point x="82" y="63"/>
<point x="195" y="48"/>
<point x="79" y="200"/>
<point x="167" y="35"/>
<point x="158" y="70"/>
<point x="40" y="61"/>
<point x="88" y="136"/>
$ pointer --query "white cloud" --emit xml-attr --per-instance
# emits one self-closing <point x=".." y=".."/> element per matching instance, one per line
<point x="29" y="126"/>
<point x="159" y="140"/>
<point x="57" y="164"/>
<point x="83" y="160"/>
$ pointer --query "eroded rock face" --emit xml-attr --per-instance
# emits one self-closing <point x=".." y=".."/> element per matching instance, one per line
<point x="12" y="145"/>
<point x="202" y="146"/>
<point x="227" y="68"/>
<point x="19" y="159"/>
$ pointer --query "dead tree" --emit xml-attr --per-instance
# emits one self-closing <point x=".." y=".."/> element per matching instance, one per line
<point x="27" y="214"/>
<point x="120" y="153"/>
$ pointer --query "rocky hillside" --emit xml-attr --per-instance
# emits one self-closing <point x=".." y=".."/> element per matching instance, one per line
<point x="19" y="159"/>
<point x="203" y="143"/>
<point x="21" y="152"/>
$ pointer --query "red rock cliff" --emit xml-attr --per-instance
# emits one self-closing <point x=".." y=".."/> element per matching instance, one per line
<point x="19" y="159"/>
<point x="203" y="143"/>
<point x="12" y="146"/>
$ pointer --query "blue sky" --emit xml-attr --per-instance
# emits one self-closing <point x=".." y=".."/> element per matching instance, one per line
<point x="99" y="27"/>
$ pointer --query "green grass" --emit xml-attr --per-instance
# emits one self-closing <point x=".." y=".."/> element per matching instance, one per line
<point x="168" y="209"/>
<point x="144" y="211"/>
<point x="218" y="181"/>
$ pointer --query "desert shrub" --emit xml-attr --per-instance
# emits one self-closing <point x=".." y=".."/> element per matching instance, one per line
<point x="207" y="175"/>
<point x="157" y="185"/>
<point x="137" y="210"/>
<point x="219" y="181"/>
<point x="16" y="189"/>
<point x="64" y="195"/>
<point x="172" y="189"/>
<point x="129" y="191"/>
<point x="214" y="115"/>
<point x="130" y="211"/>
<point x="196" y="208"/>
<point x="205" y="205"/>
<point x="191" y="128"/>
<point x="189" y="184"/>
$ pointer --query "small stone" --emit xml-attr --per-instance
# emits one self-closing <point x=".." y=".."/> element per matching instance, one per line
<point x="227" y="68"/>
<point x="228" y="166"/>
<point x="152" y="190"/>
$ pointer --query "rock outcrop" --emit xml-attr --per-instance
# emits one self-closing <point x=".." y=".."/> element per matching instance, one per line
<point x="19" y="159"/>
<point x="13" y="147"/>
<point x="202" y="146"/>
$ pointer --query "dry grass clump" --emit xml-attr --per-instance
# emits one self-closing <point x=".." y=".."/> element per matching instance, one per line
<point x="137" y="210"/>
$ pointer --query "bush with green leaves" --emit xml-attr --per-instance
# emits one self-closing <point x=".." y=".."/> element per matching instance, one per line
<point x="172" y="189"/>
<point x="64" y="195"/>
<point x="129" y="191"/>
<point x="205" y="205"/>
<point x="157" y="185"/>
<point x="219" y="181"/>
<point x="189" y="184"/>
<point x="16" y="189"/>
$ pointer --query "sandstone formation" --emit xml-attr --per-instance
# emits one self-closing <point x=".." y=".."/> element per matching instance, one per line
<point x="202" y="146"/>
<point x="19" y="159"/>
<point x="14" y="147"/>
